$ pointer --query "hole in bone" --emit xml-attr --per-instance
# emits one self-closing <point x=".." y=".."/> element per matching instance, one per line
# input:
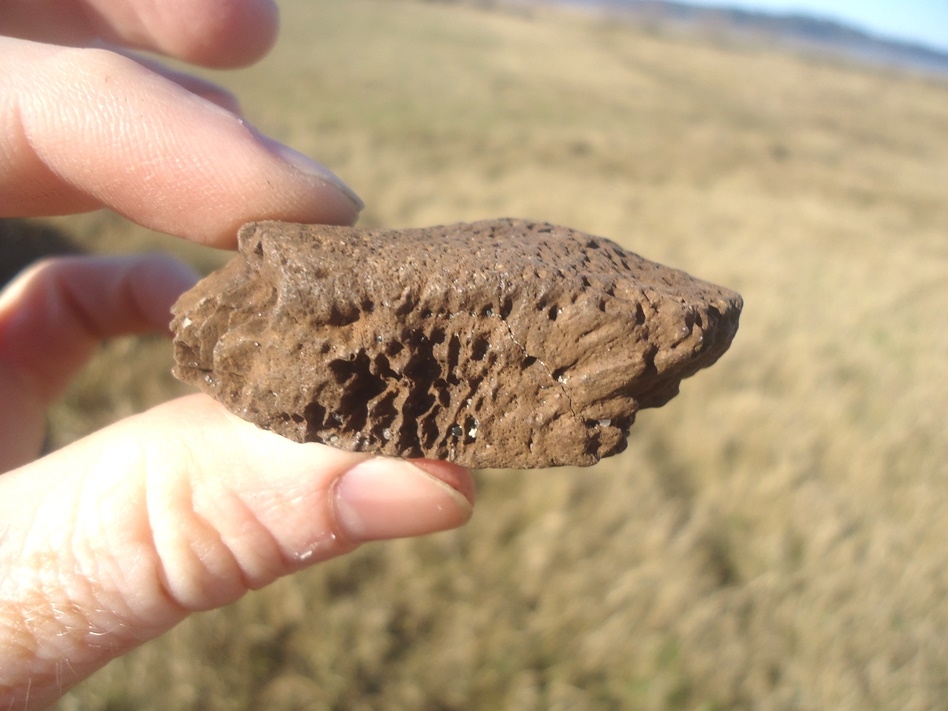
<point x="470" y="428"/>
<point x="315" y="416"/>
<point x="423" y="367"/>
<point x="429" y="430"/>
<point x="594" y="442"/>
<point x="454" y="356"/>
<point x="360" y="385"/>
<point x="444" y="393"/>
<point x="407" y="305"/>
<point x="343" y="314"/>
<point x="506" y="307"/>
<point x="384" y="369"/>
<point x="479" y="348"/>
<point x="384" y="416"/>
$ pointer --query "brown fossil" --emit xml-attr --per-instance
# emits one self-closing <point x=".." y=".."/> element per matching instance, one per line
<point x="501" y="343"/>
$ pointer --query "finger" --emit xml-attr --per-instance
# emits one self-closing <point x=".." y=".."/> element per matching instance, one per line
<point x="215" y="33"/>
<point x="53" y="316"/>
<point x="90" y="128"/>
<point x="193" y="84"/>
<point x="55" y="313"/>
<point x="116" y="538"/>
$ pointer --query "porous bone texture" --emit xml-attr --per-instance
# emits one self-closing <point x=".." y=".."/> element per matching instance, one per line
<point x="501" y="343"/>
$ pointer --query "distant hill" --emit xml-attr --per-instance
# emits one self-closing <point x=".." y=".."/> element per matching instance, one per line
<point x="795" y="31"/>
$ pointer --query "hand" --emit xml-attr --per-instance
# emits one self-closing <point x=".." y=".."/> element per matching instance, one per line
<point x="110" y="541"/>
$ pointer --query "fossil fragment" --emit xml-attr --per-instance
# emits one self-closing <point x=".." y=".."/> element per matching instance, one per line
<point x="501" y="343"/>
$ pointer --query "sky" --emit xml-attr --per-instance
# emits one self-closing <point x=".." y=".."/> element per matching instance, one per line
<point x="920" y="21"/>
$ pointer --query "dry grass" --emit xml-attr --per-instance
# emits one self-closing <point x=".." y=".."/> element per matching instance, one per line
<point x="775" y="538"/>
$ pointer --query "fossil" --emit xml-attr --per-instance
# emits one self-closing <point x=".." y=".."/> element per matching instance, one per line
<point x="500" y="343"/>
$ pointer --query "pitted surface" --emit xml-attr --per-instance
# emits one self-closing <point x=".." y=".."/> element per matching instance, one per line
<point x="501" y="343"/>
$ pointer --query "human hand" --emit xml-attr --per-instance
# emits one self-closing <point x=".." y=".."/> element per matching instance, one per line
<point x="111" y="541"/>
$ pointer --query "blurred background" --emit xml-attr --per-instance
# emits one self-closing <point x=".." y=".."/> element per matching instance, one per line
<point x="774" y="538"/>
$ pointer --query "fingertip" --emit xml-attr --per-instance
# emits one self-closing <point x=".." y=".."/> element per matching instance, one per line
<point x="457" y="477"/>
<point x="222" y="35"/>
<point x="313" y="169"/>
<point x="54" y="313"/>
<point x="383" y="498"/>
<point x="161" y="280"/>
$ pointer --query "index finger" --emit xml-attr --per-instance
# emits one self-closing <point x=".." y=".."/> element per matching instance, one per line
<point x="88" y="128"/>
<point x="214" y="33"/>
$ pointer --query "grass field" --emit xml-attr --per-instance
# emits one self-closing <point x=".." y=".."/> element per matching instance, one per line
<point x="774" y="538"/>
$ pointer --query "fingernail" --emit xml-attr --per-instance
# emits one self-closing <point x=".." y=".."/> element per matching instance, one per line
<point x="391" y="498"/>
<point x="455" y="476"/>
<point x="308" y="166"/>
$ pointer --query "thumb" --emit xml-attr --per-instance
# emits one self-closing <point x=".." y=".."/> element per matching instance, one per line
<point x="113" y="540"/>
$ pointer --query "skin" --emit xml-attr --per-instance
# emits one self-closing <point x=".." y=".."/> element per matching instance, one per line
<point x="113" y="540"/>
